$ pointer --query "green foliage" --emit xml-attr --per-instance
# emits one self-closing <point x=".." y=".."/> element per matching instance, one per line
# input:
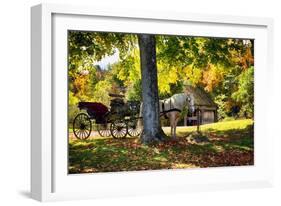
<point x="72" y="112"/>
<point x="134" y="91"/>
<point x="101" y="91"/>
<point x="221" y="101"/>
<point x="223" y="67"/>
<point x="128" y="69"/>
<point x="72" y="106"/>
<point x="245" y="92"/>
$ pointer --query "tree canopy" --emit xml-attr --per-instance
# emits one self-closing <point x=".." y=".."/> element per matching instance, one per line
<point x="224" y="67"/>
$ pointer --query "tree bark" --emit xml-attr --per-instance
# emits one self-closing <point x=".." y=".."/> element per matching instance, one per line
<point x="152" y="131"/>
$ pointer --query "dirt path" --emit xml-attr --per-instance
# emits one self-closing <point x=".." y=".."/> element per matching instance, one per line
<point x="94" y="135"/>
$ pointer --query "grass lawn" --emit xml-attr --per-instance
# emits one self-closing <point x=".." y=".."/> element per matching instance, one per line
<point x="231" y="144"/>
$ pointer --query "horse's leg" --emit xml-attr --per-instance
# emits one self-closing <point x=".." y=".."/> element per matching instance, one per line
<point x="173" y="123"/>
<point x="171" y="129"/>
<point x="174" y="131"/>
<point x="171" y="120"/>
<point x="176" y="123"/>
<point x="177" y="117"/>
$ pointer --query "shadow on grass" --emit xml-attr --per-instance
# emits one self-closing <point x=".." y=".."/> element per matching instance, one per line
<point x="233" y="138"/>
<point x="108" y="155"/>
<point x="226" y="148"/>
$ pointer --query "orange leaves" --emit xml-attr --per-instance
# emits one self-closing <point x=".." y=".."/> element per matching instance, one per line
<point x="212" y="77"/>
<point x="80" y="83"/>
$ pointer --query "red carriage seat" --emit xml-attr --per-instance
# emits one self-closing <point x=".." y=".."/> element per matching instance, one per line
<point x="94" y="108"/>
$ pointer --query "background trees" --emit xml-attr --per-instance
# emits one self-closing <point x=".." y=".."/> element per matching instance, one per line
<point x="223" y="67"/>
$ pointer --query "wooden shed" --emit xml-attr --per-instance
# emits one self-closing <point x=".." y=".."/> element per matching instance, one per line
<point x="206" y="108"/>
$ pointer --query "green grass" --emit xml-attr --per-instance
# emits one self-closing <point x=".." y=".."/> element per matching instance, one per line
<point x="218" y="127"/>
<point x="231" y="144"/>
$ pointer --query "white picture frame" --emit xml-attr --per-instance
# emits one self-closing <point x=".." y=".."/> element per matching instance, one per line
<point x="49" y="178"/>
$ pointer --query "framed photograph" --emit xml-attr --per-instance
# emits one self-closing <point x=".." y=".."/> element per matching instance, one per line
<point x="138" y="102"/>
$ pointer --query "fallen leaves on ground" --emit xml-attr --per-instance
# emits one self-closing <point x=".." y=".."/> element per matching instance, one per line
<point x="227" y="148"/>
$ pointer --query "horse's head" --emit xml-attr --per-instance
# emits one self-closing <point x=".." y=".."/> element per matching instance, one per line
<point x="191" y="103"/>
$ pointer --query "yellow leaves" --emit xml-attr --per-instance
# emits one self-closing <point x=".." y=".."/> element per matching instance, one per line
<point x="122" y="74"/>
<point x="81" y="83"/>
<point x="181" y="43"/>
<point x="182" y="165"/>
<point x="166" y="76"/>
<point x="173" y="76"/>
<point x="135" y="73"/>
<point x="192" y="74"/>
<point x="160" y="159"/>
<point x="212" y="77"/>
<point x="129" y="69"/>
<point x="156" y="150"/>
<point x="218" y="148"/>
<point x="72" y="99"/>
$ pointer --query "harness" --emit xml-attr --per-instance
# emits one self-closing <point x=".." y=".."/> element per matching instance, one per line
<point x="170" y="110"/>
<point x="163" y="109"/>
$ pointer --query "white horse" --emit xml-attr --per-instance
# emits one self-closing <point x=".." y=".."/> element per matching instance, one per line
<point x="172" y="108"/>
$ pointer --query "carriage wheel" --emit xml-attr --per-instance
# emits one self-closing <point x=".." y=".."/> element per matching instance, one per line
<point x="82" y="126"/>
<point x="133" y="129"/>
<point x="104" y="130"/>
<point x="118" y="129"/>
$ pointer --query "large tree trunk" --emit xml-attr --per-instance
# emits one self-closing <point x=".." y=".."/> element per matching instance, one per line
<point x="152" y="131"/>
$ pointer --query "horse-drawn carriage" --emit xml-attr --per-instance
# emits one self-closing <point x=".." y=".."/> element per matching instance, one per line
<point x="122" y="118"/>
<point x="118" y="121"/>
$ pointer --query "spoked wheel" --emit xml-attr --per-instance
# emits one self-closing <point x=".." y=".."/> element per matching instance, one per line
<point x="118" y="129"/>
<point x="82" y="126"/>
<point x="133" y="129"/>
<point x="104" y="130"/>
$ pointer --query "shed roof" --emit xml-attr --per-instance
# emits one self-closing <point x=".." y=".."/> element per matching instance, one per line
<point x="201" y="97"/>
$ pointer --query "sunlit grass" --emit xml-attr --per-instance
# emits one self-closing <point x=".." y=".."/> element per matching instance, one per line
<point x="219" y="127"/>
<point x="231" y="143"/>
